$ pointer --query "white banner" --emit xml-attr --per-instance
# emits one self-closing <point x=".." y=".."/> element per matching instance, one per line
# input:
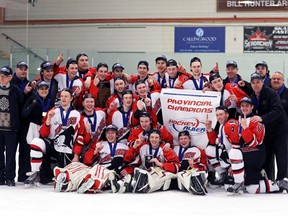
<point x="187" y="110"/>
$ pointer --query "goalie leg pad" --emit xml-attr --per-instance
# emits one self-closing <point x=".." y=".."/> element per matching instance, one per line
<point x="197" y="186"/>
<point x="141" y="178"/>
<point x="68" y="178"/>
<point x="97" y="174"/>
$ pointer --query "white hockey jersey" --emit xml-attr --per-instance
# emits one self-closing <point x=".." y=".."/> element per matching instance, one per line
<point x="63" y="135"/>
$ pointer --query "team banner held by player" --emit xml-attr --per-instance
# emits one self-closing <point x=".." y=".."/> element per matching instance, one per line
<point x="187" y="110"/>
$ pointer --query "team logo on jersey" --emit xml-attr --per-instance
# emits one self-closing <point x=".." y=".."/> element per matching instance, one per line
<point x="193" y="125"/>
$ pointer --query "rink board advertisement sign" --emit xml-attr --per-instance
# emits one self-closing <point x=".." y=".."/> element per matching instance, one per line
<point x="200" y="39"/>
<point x="261" y="39"/>
<point x="187" y="110"/>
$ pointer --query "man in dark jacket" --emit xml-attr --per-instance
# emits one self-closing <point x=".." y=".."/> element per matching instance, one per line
<point x="20" y="80"/>
<point x="11" y="100"/>
<point x="269" y="111"/>
<point x="277" y="84"/>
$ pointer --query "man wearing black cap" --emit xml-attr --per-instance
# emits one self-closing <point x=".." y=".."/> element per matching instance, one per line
<point x="234" y="82"/>
<point x="20" y="79"/>
<point x="159" y="75"/>
<point x="143" y="69"/>
<point x="269" y="111"/>
<point x="12" y="100"/>
<point x="262" y="69"/>
<point x="47" y="75"/>
<point x="117" y="72"/>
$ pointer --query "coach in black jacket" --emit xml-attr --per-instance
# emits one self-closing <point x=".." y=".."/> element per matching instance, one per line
<point x="269" y="111"/>
<point x="277" y="84"/>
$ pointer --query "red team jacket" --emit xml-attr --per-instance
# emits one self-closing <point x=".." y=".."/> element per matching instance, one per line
<point x="165" y="134"/>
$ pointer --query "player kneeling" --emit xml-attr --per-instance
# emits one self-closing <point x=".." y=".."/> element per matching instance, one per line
<point x="192" y="173"/>
<point x="158" y="165"/>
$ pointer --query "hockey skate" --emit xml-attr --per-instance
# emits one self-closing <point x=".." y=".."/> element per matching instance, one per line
<point x="32" y="180"/>
<point x="237" y="188"/>
<point x="283" y="185"/>
<point x="61" y="182"/>
<point x="126" y="186"/>
<point x="113" y="181"/>
<point x="86" y="185"/>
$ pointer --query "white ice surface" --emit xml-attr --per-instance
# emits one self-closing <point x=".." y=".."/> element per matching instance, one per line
<point x="43" y="201"/>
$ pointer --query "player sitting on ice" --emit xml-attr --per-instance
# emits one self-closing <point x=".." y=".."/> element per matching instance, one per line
<point x="106" y="158"/>
<point x="192" y="173"/>
<point x="156" y="166"/>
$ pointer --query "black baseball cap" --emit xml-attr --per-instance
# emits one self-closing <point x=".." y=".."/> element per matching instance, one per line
<point x="224" y="108"/>
<point x="41" y="84"/>
<point x="22" y="64"/>
<point x="85" y="96"/>
<point x="46" y="65"/>
<point x="6" y="70"/>
<point x="171" y="62"/>
<point x="144" y="114"/>
<point x="231" y="63"/>
<point x="111" y="127"/>
<point x="161" y="57"/>
<point x="117" y="65"/>
<point x="183" y="133"/>
<point x="255" y="76"/>
<point x="214" y="76"/>
<point x="246" y="100"/>
<point x="263" y="63"/>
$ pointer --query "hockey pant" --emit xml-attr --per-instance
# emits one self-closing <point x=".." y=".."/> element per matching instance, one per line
<point x="68" y="178"/>
<point x="152" y="180"/>
<point x="254" y="158"/>
<point x="39" y="147"/>
<point x="218" y="158"/>
<point x="98" y="176"/>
